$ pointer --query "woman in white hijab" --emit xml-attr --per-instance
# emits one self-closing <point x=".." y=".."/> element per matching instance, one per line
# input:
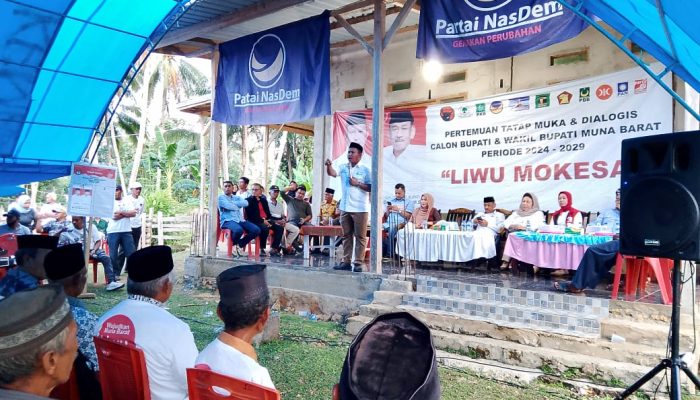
<point x="27" y="215"/>
<point x="527" y="216"/>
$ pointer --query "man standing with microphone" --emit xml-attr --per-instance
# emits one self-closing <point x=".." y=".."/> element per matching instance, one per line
<point x="354" y="206"/>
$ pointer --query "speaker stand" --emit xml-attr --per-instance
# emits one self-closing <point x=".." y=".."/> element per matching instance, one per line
<point x="675" y="363"/>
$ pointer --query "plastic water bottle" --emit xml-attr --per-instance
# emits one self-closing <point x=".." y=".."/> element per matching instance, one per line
<point x="465" y="225"/>
<point x="424" y="225"/>
<point x="528" y="227"/>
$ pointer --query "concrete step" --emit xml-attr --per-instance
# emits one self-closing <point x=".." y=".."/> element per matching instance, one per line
<point x="575" y="321"/>
<point x="561" y="302"/>
<point x="528" y="356"/>
<point x="646" y="333"/>
<point x="460" y="324"/>
<point x="387" y="297"/>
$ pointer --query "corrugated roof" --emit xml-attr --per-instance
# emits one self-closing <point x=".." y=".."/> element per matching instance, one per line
<point x="209" y="10"/>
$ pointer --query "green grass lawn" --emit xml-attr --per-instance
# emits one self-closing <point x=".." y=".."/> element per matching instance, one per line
<point x="306" y="362"/>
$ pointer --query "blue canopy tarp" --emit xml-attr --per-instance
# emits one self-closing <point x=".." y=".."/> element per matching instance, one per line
<point x="666" y="29"/>
<point x="61" y="63"/>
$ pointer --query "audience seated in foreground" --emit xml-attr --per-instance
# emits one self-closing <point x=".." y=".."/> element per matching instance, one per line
<point x="392" y="357"/>
<point x="142" y="320"/>
<point x="37" y="343"/>
<point x="32" y="249"/>
<point x="65" y="266"/>
<point x="244" y="307"/>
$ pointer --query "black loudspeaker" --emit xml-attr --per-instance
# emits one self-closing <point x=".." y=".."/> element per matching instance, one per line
<point x="659" y="214"/>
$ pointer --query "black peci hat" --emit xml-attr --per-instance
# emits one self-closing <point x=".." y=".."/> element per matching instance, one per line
<point x="150" y="263"/>
<point x="242" y="284"/>
<point x="64" y="261"/>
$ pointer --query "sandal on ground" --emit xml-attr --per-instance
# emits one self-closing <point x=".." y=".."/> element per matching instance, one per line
<point x="505" y="265"/>
<point x="567" y="287"/>
<point x="559" y="272"/>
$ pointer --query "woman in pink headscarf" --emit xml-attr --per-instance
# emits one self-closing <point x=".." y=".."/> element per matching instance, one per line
<point x="567" y="216"/>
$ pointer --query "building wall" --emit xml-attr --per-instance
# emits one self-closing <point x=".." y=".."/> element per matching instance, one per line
<point x="351" y="68"/>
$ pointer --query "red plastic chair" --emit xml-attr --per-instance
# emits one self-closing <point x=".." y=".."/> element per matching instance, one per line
<point x="203" y="384"/>
<point x="8" y="248"/>
<point x="638" y="269"/>
<point x="123" y="373"/>
<point x="68" y="390"/>
<point x="94" y="263"/>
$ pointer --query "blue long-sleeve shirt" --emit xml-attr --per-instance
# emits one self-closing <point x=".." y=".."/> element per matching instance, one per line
<point x="230" y="208"/>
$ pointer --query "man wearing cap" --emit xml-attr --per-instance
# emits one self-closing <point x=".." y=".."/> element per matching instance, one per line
<point x="490" y="222"/>
<point x="119" y="237"/>
<point x="244" y="307"/>
<point x="65" y="266"/>
<point x="278" y="218"/>
<point x="37" y="343"/>
<point x="137" y="202"/>
<point x="354" y="206"/>
<point x="141" y="320"/>
<point x="30" y="255"/>
<point x="13" y="225"/>
<point x="329" y="208"/>
<point x="58" y="225"/>
<point x="392" y="357"/>
<point x="231" y="208"/>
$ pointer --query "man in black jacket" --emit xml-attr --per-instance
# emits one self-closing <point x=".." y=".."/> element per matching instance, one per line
<point x="258" y="212"/>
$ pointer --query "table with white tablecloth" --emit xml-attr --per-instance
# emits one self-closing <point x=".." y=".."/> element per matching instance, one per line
<point x="452" y="246"/>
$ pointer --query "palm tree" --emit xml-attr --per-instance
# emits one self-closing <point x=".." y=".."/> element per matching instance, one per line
<point x="171" y="78"/>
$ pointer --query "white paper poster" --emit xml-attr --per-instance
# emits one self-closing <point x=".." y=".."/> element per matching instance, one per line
<point x="92" y="190"/>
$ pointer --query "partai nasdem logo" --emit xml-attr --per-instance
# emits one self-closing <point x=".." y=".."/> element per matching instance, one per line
<point x="267" y="58"/>
<point x="487" y="5"/>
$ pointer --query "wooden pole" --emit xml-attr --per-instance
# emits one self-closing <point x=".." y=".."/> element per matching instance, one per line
<point x="214" y="157"/>
<point x="375" y="263"/>
<point x="224" y="152"/>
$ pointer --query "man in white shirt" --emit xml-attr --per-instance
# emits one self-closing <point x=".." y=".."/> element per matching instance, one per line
<point x="142" y="320"/>
<point x="354" y="206"/>
<point x="490" y="221"/>
<point x="138" y="203"/>
<point x="278" y="216"/>
<point x="243" y="192"/>
<point x="119" y="237"/>
<point x="244" y="307"/>
<point x="490" y="218"/>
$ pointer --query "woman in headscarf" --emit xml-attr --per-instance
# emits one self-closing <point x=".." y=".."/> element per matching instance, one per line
<point x="426" y="212"/>
<point x="27" y="215"/>
<point x="528" y="216"/>
<point x="567" y="216"/>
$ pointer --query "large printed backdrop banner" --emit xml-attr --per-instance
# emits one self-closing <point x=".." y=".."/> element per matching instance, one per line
<point x="562" y="137"/>
<point x="475" y="30"/>
<point x="277" y="76"/>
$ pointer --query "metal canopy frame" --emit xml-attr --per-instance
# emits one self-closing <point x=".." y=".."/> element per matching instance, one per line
<point x="150" y="46"/>
<point x="620" y="43"/>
